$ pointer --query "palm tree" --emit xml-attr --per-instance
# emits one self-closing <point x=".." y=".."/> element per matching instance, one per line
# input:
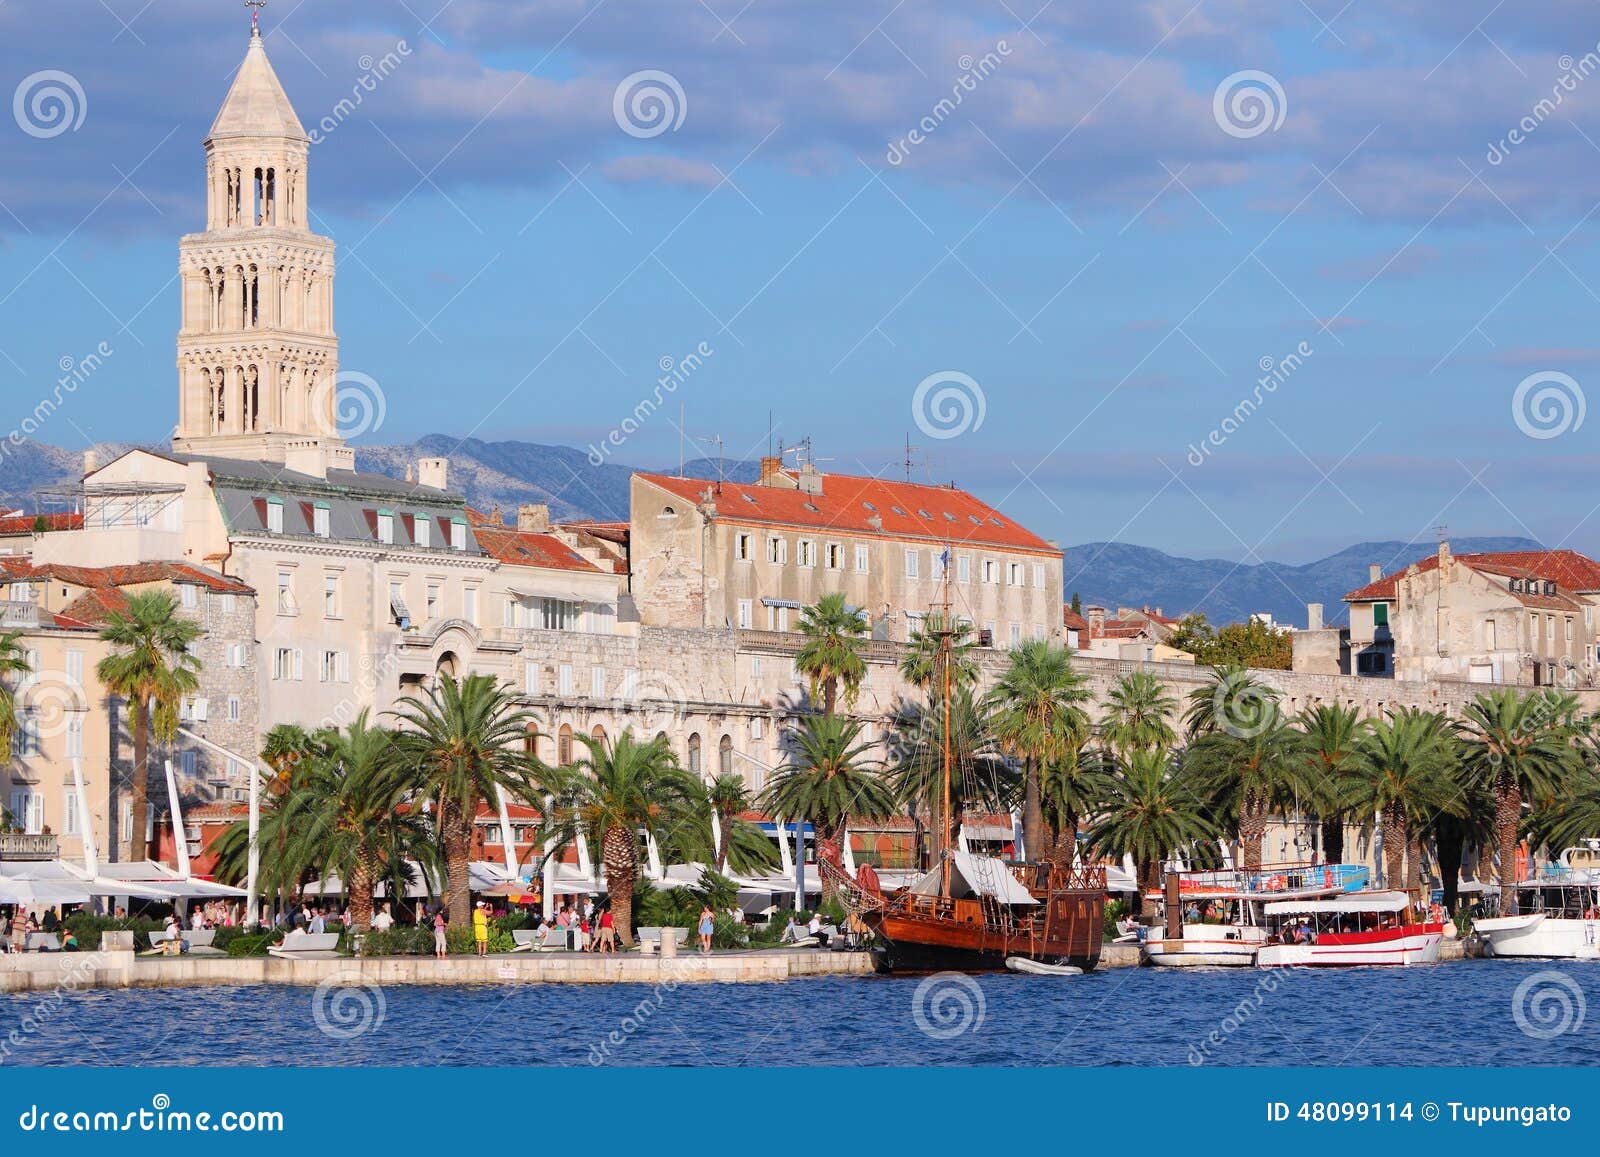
<point x="920" y="666"/>
<point x="1403" y="773"/>
<point x="729" y="797"/>
<point x="981" y="779"/>
<point x="1519" y="747"/>
<point x="284" y="747"/>
<point x="466" y="741"/>
<point x="1138" y="714"/>
<point x="13" y="661"/>
<point x="1148" y="812"/>
<point x="1234" y="701"/>
<point x="831" y="656"/>
<point x="1248" y="771"/>
<point x="828" y="778"/>
<point x="1333" y="733"/>
<point x="1037" y="719"/>
<point x="150" y="668"/>
<point x="619" y="789"/>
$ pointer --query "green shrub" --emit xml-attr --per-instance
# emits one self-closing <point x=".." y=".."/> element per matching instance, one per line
<point x="251" y="944"/>
<point x="399" y="940"/>
<point x="87" y="927"/>
<point x="1115" y="910"/>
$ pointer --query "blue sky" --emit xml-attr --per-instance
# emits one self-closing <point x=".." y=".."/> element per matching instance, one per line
<point x="1102" y="245"/>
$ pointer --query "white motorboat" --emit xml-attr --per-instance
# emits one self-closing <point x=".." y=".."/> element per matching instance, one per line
<point x="1557" y="915"/>
<point x="1360" y="928"/>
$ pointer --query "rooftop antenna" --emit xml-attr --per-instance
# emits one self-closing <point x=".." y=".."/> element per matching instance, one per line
<point x="681" y="416"/>
<point x="1442" y="530"/>
<point x="721" y="472"/>
<point x="910" y="459"/>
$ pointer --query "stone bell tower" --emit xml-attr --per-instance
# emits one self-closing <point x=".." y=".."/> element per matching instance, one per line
<point x="257" y="355"/>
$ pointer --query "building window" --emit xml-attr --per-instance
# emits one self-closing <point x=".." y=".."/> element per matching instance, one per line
<point x="530" y="678"/>
<point x="1533" y="627"/>
<point x="27" y="808"/>
<point x="75" y="735"/>
<point x="335" y="667"/>
<point x="561" y="614"/>
<point x="1488" y="634"/>
<point x="319" y="520"/>
<point x="385" y="526"/>
<point x="991" y="571"/>
<point x="21" y="592"/>
<point x="777" y="618"/>
<point x="725" y="755"/>
<point x="833" y="556"/>
<point x="694" y="754"/>
<point x="125" y="823"/>
<point x="275" y="515"/>
<point x="75" y="668"/>
<point x="806" y="552"/>
<point x="1014" y="574"/>
<point x="630" y="684"/>
<point x="420" y="531"/>
<point x="756" y="728"/>
<point x="755" y="668"/>
<point x="1016" y="634"/>
<point x="330" y="596"/>
<point x="286" y="603"/>
<point x="235" y="709"/>
<point x="564" y="745"/>
<point x="1569" y="628"/>
<point x="862" y="560"/>
<point x="70" y="818"/>
<point x="564" y="679"/>
<point x="597" y="682"/>
<point x="469" y="605"/>
<point x="431" y="601"/>
<point x="777" y="550"/>
<point x="746" y="614"/>
<point x="937" y="565"/>
<point x="286" y="663"/>
<point x="963" y="568"/>
<point x="189" y="596"/>
<point x="1038" y="575"/>
<point x="458" y="534"/>
<point x="1380" y="614"/>
<point x="741" y="546"/>
<point x="911" y="564"/>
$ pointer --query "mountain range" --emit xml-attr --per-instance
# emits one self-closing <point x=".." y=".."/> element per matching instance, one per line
<point x="1111" y="574"/>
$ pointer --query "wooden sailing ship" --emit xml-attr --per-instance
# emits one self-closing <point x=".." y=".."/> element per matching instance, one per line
<point x="971" y="912"/>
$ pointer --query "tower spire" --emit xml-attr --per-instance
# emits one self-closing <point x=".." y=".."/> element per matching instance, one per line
<point x="255" y="7"/>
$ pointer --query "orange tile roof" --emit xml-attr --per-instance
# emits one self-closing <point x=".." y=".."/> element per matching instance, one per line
<point x="903" y="510"/>
<point x="1566" y="568"/>
<point x="22" y="568"/>
<point x="523" y="548"/>
<point x="1072" y="620"/>
<point x="23" y="523"/>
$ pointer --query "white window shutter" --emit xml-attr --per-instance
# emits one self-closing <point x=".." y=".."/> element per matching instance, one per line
<point x="200" y="707"/>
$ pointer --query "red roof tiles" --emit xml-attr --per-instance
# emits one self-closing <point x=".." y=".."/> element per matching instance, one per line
<point x="1566" y="568"/>
<point x="24" y="523"/>
<point x="525" y="548"/>
<point x="868" y="506"/>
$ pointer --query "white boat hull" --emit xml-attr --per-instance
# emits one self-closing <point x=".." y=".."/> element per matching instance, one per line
<point x="1418" y="944"/>
<point x="1539" y="936"/>
<point x="1039" y="968"/>
<point x="1206" y="946"/>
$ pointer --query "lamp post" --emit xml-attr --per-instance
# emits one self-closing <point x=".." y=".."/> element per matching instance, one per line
<point x="252" y="913"/>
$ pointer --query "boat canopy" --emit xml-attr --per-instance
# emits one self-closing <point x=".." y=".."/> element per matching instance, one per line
<point x="1369" y="902"/>
<point x="974" y="875"/>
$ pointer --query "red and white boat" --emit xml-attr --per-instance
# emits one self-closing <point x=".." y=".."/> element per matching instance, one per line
<point x="1359" y="928"/>
<point x="1223" y="924"/>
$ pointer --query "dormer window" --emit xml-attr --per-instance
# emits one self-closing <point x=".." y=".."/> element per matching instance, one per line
<point x="275" y="516"/>
<point x="319" y="520"/>
<point x="458" y="534"/>
<point x="386" y="526"/>
<point x="870" y="507"/>
<point x="421" y="531"/>
<point x="1549" y="588"/>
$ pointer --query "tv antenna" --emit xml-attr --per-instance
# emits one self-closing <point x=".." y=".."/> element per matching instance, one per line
<point x="721" y="472"/>
<point x="910" y="459"/>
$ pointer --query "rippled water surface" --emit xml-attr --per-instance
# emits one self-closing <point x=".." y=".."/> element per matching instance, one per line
<point x="1467" y="1013"/>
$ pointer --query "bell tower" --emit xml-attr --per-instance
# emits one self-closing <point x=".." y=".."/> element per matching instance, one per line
<point x="257" y="355"/>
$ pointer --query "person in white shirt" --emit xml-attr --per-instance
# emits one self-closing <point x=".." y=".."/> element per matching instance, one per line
<point x="383" y="921"/>
<point x="198" y="920"/>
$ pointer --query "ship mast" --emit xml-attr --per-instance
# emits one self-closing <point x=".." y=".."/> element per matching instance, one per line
<point x="946" y="639"/>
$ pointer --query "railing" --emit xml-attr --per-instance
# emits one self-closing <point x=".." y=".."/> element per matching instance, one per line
<point x="17" y="613"/>
<point x="23" y="846"/>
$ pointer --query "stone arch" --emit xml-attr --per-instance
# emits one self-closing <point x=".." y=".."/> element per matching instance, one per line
<point x="564" y="745"/>
<point x="725" y="755"/>
<point x="696" y="764"/>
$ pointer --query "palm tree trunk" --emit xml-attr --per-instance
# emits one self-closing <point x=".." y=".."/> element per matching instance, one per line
<point x="1032" y="811"/>
<point x="622" y="865"/>
<point x="1333" y="841"/>
<point x="1252" y="831"/>
<point x="1414" y="865"/>
<point x="725" y="827"/>
<point x="456" y="831"/>
<point x="830" y="695"/>
<point x="1394" y="847"/>
<point x="1450" y="839"/>
<point x="140" y="804"/>
<point x="1507" y="819"/>
<point x="1066" y="841"/>
<point x="362" y="875"/>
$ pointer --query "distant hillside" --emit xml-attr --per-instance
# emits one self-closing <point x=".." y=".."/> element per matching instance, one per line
<point x="1115" y="574"/>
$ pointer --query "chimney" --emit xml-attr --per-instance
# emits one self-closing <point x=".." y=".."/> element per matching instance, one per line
<point x="1444" y="557"/>
<point x="1374" y="572"/>
<point x="770" y="469"/>
<point x="305" y="457"/>
<point x="434" y="472"/>
<point x="1096" y="618"/>
<point x="1313" y="616"/>
<point x="533" y="518"/>
<point x="91" y="461"/>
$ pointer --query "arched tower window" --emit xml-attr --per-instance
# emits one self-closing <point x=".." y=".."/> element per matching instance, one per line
<point x="725" y="755"/>
<point x="694" y="754"/>
<point x="564" y="745"/>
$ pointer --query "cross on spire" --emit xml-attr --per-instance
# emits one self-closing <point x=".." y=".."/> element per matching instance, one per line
<point x="255" y="7"/>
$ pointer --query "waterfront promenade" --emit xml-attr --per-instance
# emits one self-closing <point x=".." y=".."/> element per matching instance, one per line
<point x="116" y="969"/>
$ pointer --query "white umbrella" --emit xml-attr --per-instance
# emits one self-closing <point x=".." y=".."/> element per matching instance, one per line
<point x="14" y="890"/>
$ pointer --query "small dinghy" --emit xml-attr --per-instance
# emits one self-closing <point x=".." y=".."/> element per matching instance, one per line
<point x="1039" y="968"/>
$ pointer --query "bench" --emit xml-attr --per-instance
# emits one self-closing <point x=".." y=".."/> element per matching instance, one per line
<point x="650" y="938"/>
<point x="192" y="938"/>
<point x="306" y="944"/>
<point x="43" y="942"/>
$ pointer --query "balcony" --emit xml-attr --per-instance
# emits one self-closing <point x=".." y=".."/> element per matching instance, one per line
<point x="16" y="846"/>
<point x="16" y="614"/>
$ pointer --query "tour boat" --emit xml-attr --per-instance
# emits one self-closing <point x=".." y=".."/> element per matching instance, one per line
<point x="1358" y="928"/>
<point x="1232" y="926"/>
<point x="1557" y="916"/>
